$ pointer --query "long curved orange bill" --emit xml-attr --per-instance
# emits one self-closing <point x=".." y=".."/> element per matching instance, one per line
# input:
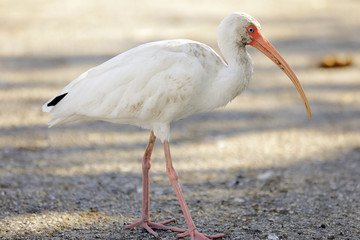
<point x="263" y="45"/>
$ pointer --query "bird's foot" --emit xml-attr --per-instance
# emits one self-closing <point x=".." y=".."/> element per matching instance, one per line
<point x="195" y="235"/>
<point x="161" y="225"/>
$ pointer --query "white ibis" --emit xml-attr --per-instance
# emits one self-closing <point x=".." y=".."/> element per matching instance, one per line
<point x="157" y="83"/>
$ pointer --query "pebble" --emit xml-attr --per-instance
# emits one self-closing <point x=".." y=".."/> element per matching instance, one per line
<point x="239" y="200"/>
<point x="266" y="175"/>
<point x="272" y="236"/>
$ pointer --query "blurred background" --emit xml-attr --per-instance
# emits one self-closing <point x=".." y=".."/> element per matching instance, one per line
<point x="48" y="176"/>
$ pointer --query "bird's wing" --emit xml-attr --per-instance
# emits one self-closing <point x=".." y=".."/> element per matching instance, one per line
<point x="153" y="82"/>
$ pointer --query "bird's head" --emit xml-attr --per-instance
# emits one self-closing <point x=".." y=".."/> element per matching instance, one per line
<point x="242" y="29"/>
<point x="235" y="28"/>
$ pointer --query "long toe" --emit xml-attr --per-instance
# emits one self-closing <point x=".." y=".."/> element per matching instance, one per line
<point x="149" y="226"/>
<point x="164" y="227"/>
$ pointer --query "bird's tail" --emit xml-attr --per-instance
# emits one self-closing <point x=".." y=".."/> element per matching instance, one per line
<point x="50" y="104"/>
<point x="45" y="108"/>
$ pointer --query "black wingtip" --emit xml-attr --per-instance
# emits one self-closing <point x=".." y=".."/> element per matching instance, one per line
<point x="56" y="100"/>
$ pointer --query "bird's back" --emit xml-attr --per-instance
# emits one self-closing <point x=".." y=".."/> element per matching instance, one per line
<point x="157" y="82"/>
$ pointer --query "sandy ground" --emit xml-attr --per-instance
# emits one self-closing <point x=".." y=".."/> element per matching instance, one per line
<point x="257" y="169"/>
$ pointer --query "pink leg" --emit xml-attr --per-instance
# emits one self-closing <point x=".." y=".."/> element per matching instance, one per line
<point x="145" y="219"/>
<point x="191" y="231"/>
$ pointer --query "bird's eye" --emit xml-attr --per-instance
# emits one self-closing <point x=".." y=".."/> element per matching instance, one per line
<point x="251" y="30"/>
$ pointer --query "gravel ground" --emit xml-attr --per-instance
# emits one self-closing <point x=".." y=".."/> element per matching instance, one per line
<point x="257" y="169"/>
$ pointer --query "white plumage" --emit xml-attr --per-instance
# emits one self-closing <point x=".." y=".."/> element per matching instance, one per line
<point x="157" y="83"/>
<point x="153" y="85"/>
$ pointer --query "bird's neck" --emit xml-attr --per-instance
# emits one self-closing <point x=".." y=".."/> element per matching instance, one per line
<point x="234" y="77"/>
